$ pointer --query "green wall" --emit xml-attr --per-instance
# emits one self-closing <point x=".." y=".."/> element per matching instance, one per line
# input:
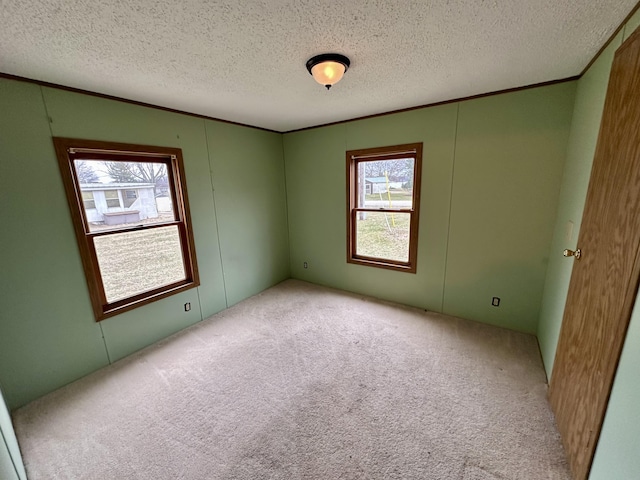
<point x="48" y="334"/>
<point x="616" y="454"/>
<point x="590" y="95"/>
<point x="316" y="183"/>
<point x="510" y="152"/>
<point x="248" y="178"/>
<point x="48" y="337"/>
<point x="490" y="183"/>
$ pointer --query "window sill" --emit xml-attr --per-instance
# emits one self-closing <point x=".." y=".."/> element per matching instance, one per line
<point x="398" y="267"/>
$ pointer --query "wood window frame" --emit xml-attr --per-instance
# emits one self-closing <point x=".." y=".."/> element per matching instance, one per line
<point x="396" y="152"/>
<point x="70" y="149"/>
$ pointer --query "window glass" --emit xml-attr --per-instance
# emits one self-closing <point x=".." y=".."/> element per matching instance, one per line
<point x="129" y="197"/>
<point x="124" y="194"/>
<point x="88" y="200"/>
<point x="386" y="183"/>
<point x="129" y="267"/>
<point x="383" y="235"/>
<point x="113" y="200"/>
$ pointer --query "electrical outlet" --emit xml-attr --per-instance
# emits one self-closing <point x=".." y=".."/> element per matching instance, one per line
<point x="495" y="301"/>
<point x="306" y="265"/>
<point x="187" y="306"/>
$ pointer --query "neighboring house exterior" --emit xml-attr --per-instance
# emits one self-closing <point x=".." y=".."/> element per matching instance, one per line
<point x="114" y="203"/>
<point x="379" y="184"/>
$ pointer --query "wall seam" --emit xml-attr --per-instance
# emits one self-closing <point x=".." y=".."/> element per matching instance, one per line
<point x="50" y="121"/>
<point x="199" y="303"/>
<point x="453" y="169"/>
<point x="286" y="201"/>
<point x="215" y="212"/>
<point x="204" y="128"/>
<point x="104" y="340"/>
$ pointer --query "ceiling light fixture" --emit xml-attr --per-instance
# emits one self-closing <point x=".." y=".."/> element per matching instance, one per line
<point x="327" y="69"/>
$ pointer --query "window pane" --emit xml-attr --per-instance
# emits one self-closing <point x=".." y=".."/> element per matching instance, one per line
<point x="124" y="193"/>
<point x="385" y="184"/>
<point x="136" y="262"/>
<point x="113" y="200"/>
<point x="129" y="197"/>
<point x="383" y="235"/>
<point x="87" y="200"/>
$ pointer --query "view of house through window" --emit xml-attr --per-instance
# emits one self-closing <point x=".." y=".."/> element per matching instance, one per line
<point x="383" y="206"/>
<point x="131" y="221"/>
<point x="123" y="194"/>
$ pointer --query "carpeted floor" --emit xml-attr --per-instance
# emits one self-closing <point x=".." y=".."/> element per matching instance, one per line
<point x="306" y="382"/>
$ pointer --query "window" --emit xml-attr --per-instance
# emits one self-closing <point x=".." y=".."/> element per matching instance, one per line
<point x="382" y="206"/>
<point x="132" y="254"/>
<point x="129" y="197"/>
<point x="113" y="201"/>
<point x="89" y="202"/>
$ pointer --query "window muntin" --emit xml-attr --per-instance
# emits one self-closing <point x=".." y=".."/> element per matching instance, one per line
<point x="136" y="244"/>
<point x="383" y="206"/>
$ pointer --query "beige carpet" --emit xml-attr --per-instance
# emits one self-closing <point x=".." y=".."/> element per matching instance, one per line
<point x="305" y="382"/>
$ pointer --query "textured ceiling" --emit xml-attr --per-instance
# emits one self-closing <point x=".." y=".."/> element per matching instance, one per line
<point x="244" y="60"/>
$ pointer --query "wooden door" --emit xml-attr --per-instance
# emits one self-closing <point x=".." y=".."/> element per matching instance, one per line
<point x="604" y="280"/>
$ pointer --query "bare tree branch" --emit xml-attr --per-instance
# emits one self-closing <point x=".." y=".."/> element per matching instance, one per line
<point x="136" y="172"/>
<point x="85" y="172"/>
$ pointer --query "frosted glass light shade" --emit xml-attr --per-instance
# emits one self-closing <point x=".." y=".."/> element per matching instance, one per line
<point x="327" y="69"/>
<point x="328" y="73"/>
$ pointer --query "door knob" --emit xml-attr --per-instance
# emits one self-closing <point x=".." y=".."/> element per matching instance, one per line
<point x="573" y="253"/>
